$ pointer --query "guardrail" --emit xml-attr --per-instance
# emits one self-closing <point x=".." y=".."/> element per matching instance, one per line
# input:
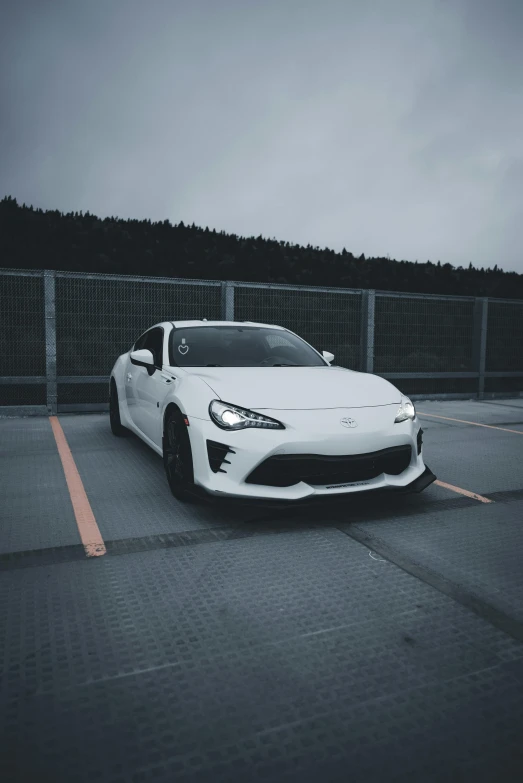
<point x="60" y="333"/>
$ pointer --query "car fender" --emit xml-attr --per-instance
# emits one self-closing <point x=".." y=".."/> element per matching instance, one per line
<point x="118" y="373"/>
<point x="385" y="383"/>
<point x="191" y="395"/>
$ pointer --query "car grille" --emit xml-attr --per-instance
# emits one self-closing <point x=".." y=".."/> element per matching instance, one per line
<point x="285" y="470"/>
<point x="216" y="453"/>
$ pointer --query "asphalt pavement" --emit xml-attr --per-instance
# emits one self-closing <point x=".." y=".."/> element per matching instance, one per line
<point x="372" y="639"/>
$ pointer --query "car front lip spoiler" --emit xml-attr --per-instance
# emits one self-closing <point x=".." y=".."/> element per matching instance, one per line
<point x="418" y="485"/>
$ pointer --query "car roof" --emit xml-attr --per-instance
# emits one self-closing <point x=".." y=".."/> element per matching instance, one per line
<point x="185" y="324"/>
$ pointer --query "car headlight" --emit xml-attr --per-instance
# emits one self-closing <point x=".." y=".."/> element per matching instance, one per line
<point x="405" y="411"/>
<point x="233" y="417"/>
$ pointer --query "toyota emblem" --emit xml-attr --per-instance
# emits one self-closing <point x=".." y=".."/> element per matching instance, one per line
<point x="349" y="423"/>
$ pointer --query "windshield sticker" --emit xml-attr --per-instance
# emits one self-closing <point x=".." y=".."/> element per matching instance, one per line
<point x="183" y="348"/>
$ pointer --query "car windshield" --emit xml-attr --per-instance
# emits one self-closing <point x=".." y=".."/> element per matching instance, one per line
<point x="240" y="346"/>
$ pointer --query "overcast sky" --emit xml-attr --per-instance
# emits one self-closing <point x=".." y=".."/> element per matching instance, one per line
<point x="389" y="127"/>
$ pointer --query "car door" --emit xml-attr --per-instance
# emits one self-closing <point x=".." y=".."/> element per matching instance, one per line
<point x="130" y="377"/>
<point x="146" y="387"/>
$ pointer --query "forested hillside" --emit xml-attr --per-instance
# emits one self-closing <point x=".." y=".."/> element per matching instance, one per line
<point x="36" y="239"/>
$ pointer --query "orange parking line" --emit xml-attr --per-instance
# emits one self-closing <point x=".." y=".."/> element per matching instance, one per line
<point x="89" y="532"/>
<point x="475" y="423"/>
<point x="461" y="491"/>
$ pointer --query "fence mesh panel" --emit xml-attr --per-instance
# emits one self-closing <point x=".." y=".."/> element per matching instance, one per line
<point x="98" y="319"/>
<point x="22" y="337"/>
<point x="505" y="337"/>
<point x="86" y="393"/>
<point x="22" y="325"/>
<point x="429" y="386"/>
<point x="415" y="334"/>
<point x="23" y="394"/>
<point x="328" y="320"/>
<point x="504" y="385"/>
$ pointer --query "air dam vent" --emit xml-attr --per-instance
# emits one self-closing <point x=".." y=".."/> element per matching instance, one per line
<point x="420" y="440"/>
<point x="285" y="470"/>
<point x="217" y="453"/>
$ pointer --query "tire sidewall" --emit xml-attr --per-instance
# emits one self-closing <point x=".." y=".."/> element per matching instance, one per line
<point x="181" y="491"/>
<point x="114" y="412"/>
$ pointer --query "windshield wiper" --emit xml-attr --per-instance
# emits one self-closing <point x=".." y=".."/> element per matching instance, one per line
<point x="214" y="365"/>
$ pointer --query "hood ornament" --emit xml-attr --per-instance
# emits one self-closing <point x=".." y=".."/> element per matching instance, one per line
<point x="347" y="422"/>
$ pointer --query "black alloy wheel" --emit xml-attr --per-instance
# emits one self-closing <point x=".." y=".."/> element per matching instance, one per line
<point x="177" y="457"/>
<point x="114" y="413"/>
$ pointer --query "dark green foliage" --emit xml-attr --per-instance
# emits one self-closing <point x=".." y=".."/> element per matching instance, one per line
<point x="33" y="239"/>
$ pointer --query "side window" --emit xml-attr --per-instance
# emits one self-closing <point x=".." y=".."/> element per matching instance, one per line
<point x="154" y="343"/>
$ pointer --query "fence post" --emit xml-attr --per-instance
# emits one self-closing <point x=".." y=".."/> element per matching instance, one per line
<point x="480" y="341"/>
<point x="227" y="301"/>
<point x="50" y="339"/>
<point x="368" y="304"/>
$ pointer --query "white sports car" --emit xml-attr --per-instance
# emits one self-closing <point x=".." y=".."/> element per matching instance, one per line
<point x="242" y="409"/>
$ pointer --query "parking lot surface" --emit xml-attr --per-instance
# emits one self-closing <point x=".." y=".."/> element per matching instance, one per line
<point x="377" y="638"/>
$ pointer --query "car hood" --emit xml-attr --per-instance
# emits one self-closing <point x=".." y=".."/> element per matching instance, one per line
<point x="296" y="388"/>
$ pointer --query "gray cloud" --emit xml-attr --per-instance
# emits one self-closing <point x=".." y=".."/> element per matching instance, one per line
<point x="387" y="128"/>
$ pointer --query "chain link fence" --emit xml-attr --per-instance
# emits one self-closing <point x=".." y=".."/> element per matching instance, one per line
<point x="323" y="317"/>
<point x="61" y="332"/>
<point x="22" y="340"/>
<point x="429" y="335"/>
<point x="423" y="335"/>
<point x="97" y="319"/>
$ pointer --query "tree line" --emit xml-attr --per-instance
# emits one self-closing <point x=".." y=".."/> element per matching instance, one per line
<point x="81" y="242"/>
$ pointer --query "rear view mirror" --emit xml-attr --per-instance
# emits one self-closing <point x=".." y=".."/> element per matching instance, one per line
<point x="328" y="356"/>
<point x="143" y="358"/>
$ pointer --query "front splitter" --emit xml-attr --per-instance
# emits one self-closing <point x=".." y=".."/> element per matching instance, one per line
<point x="416" y="486"/>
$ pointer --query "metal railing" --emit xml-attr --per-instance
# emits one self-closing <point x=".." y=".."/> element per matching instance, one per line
<point x="61" y="332"/>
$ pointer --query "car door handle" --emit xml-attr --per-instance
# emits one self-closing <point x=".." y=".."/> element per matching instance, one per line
<point x="129" y="376"/>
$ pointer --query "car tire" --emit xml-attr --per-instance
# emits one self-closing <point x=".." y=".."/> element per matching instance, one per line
<point x="117" y="427"/>
<point x="177" y="457"/>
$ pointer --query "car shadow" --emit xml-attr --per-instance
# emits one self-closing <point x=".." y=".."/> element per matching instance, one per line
<point x="365" y="507"/>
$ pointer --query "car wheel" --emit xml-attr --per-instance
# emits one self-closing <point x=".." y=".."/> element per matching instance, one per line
<point x="177" y="457"/>
<point x="114" y="413"/>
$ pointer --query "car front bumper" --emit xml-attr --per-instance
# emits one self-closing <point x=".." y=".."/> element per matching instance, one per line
<point x="306" y="432"/>
<point x="418" y="485"/>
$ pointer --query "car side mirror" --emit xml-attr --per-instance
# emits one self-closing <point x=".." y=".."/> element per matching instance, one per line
<point x="143" y="358"/>
<point x="328" y="356"/>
